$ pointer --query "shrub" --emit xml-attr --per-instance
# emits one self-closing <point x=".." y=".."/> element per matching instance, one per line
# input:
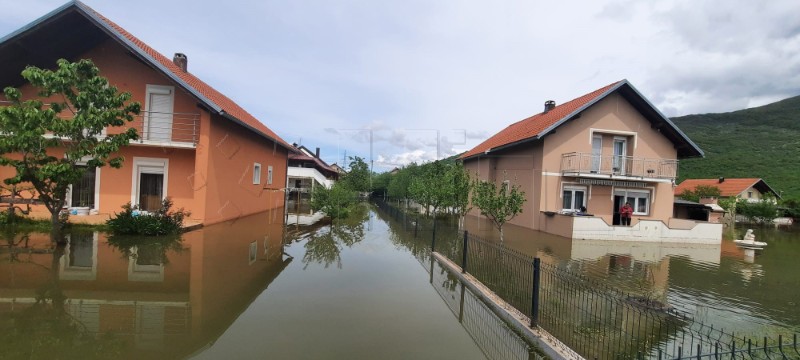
<point x="133" y="221"/>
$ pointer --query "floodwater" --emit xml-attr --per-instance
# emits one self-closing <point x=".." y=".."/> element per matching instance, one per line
<point x="753" y="294"/>
<point x="249" y="289"/>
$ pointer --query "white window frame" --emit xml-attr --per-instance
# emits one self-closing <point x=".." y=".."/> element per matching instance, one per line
<point x="256" y="174"/>
<point x="96" y="188"/>
<point x="269" y="175"/>
<point x="145" y="165"/>
<point x="648" y="199"/>
<point x="573" y="189"/>
<point x="158" y="90"/>
<point x="69" y="272"/>
<point x="619" y="160"/>
<point x="143" y="273"/>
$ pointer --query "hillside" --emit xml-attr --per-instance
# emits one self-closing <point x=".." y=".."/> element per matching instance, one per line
<point x="758" y="142"/>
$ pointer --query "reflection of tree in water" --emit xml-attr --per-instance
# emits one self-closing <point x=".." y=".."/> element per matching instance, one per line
<point x="45" y="329"/>
<point x="147" y="250"/>
<point x="325" y="245"/>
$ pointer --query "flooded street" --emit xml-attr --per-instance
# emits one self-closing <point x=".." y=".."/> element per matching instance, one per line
<point x="248" y="289"/>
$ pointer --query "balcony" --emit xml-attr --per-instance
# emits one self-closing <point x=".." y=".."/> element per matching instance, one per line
<point x="590" y="165"/>
<point x="167" y="129"/>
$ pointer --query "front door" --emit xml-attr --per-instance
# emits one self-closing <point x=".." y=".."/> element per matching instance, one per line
<point x="151" y="191"/>
<point x="619" y="200"/>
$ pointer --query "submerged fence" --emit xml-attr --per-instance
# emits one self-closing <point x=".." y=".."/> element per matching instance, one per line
<point x="593" y="319"/>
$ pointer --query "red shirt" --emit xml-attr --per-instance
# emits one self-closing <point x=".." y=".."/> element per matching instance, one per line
<point x="625" y="211"/>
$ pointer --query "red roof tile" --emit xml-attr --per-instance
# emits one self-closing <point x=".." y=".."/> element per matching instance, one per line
<point x="729" y="187"/>
<point x="217" y="98"/>
<point x="536" y="124"/>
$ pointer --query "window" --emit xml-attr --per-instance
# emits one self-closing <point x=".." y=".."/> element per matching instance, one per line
<point x="82" y="192"/>
<point x="158" y="113"/>
<point x="639" y="199"/>
<point x="269" y="175"/>
<point x="149" y="183"/>
<point x="573" y="197"/>
<point x="256" y="173"/>
<point x="749" y="194"/>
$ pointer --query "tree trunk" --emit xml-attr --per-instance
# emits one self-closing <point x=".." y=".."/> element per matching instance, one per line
<point x="56" y="229"/>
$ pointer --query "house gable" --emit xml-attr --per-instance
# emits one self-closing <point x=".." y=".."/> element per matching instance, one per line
<point x="75" y="28"/>
<point x="536" y="127"/>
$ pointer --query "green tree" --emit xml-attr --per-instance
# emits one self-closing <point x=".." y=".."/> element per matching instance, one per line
<point x="45" y="138"/>
<point x="461" y="187"/>
<point x="400" y="182"/>
<point x="334" y="202"/>
<point x="761" y="212"/>
<point x="498" y="204"/>
<point x="358" y="177"/>
<point x="701" y="191"/>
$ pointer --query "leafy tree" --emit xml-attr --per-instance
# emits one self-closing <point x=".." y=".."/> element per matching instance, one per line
<point x="400" y="182"/>
<point x="45" y="138"/>
<point x="760" y="212"/>
<point x="498" y="204"/>
<point x="334" y="202"/>
<point x="792" y="207"/>
<point x="701" y="191"/>
<point x="380" y="183"/>
<point x="358" y="178"/>
<point x="460" y="189"/>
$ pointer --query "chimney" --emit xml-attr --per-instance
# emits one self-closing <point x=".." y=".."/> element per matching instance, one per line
<point x="181" y="61"/>
<point x="721" y="179"/>
<point x="549" y="105"/>
<point x="317" y="153"/>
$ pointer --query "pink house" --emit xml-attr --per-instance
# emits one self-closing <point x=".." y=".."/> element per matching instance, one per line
<point x="597" y="151"/>
<point x="196" y="145"/>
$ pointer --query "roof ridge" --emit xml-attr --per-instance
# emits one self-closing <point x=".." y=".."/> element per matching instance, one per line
<point x="214" y="99"/>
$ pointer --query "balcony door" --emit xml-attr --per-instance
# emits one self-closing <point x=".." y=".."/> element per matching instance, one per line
<point x="597" y="152"/>
<point x="158" y="113"/>
<point x="620" y="151"/>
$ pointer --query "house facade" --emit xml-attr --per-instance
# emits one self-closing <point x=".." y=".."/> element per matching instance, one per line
<point x="196" y="145"/>
<point x="596" y="152"/>
<point x="307" y="170"/>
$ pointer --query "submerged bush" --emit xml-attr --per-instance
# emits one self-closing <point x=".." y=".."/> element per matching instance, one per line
<point x="133" y="221"/>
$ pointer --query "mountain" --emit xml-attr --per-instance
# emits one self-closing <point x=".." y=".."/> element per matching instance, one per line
<point x="759" y="142"/>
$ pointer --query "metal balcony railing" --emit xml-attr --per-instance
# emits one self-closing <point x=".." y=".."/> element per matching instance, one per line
<point x="167" y="127"/>
<point x="576" y="163"/>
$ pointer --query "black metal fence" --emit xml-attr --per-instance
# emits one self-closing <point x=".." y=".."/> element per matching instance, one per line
<point x="593" y="319"/>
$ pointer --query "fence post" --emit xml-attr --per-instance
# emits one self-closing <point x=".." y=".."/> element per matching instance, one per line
<point x="535" y="300"/>
<point x="433" y="238"/>
<point x="464" y="252"/>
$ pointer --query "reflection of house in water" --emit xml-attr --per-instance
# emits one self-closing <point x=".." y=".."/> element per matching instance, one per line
<point x="162" y="299"/>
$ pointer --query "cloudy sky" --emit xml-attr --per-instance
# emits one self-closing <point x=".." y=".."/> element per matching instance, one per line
<point x="427" y="79"/>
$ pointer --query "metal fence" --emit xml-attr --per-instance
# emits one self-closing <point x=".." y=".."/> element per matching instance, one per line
<point x="597" y="321"/>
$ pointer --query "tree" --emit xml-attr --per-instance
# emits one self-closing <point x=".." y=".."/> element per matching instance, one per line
<point x="400" y="182"/>
<point x="459" y="200"/>
<point x="761" y="212"/>
<point x="498" y="204"/>
<point x="334" y="202"/>
<point x="358" y="178"/>
<point x="701" y="191"/>
<point x="45" y="138"/>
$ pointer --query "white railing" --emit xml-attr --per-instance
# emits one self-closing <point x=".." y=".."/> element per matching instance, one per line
<point x="311" y="173"/>
<point x="576" y="163"/>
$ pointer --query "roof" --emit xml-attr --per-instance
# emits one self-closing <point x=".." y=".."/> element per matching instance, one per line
<point x="214" y="100"/>
<point x="728" y="187"/>
<point x="540" y="125"/>
<point x="301" y="153"/>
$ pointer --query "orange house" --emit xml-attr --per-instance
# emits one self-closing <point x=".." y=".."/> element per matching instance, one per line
<point x="196" y="145"/>
<point x="596" y="152"/>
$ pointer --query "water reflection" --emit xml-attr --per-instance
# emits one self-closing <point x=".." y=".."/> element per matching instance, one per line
<point x="324" y="242"/>
<point x="103" y="297"/>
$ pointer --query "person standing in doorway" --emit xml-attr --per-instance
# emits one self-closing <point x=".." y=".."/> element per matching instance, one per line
<point x="625" y="213"/>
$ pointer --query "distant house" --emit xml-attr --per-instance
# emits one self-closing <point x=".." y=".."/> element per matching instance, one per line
<point x="196" y="145"/>
<point x="338" y="169"/>
<point x="598" y="151"/>
<point x="750" y="189"/>
<point x="307" y="171"/>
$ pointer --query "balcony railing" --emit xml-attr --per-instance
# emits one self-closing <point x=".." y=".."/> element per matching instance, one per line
<point x="577" y="164"/>
<point x="167" y="127"/>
